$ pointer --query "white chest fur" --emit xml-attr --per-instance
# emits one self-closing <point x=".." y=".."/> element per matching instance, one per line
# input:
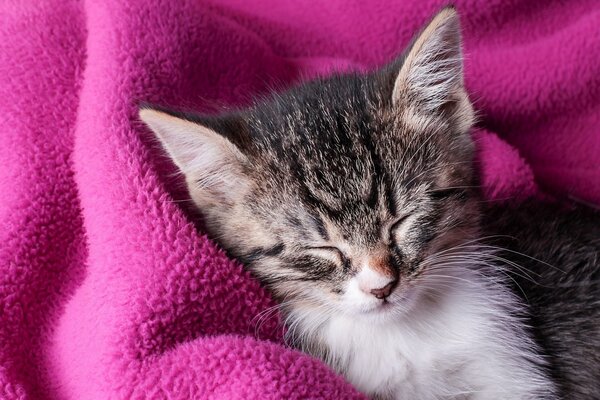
<point x="468" y="346"/>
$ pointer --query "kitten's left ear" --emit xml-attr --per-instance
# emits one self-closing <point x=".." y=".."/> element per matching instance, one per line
<point x="431" y="75"/>
<point x="207" y="152"/>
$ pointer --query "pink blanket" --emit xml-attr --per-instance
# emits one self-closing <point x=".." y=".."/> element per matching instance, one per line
<point x="107" y="290"/>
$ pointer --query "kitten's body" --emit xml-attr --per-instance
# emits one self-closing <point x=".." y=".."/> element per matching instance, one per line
<point x="353" y="199"/>
<point x="556" y="272"/>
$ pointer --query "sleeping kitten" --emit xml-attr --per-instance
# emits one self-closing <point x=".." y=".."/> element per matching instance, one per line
<point x="353" y="199"/>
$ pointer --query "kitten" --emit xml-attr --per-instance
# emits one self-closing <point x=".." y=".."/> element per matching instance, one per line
<point x="353" y="199"/>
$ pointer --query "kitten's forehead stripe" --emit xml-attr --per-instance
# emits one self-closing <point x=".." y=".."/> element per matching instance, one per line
<point x="378" y="171"/>
<point x="389" y="196"/>
<point x="373" y="197"/>
<point x="367" y="142"/>
<point x="261" y="252"/>
<point x="320" y="227"/>
<point x="314" y="202"/>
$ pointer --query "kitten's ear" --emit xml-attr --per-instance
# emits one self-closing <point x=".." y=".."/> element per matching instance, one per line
<point x="211" y="162"/>
<point x="431" y="75"/>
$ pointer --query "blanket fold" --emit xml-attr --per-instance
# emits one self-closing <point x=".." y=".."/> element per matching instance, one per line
<point x="108" y="287"/>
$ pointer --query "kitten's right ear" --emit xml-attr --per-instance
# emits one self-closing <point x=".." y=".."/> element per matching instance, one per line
<point x="430" y="78"/>
<point x="212" y="164"/>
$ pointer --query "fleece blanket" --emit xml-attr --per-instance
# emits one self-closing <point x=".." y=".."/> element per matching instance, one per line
<point x="108" y="287"/>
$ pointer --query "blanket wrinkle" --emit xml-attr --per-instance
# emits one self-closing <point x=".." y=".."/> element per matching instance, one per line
<point x="108" y="287"/>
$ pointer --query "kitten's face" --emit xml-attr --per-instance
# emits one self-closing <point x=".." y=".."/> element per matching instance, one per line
<point x="341" y="192"/>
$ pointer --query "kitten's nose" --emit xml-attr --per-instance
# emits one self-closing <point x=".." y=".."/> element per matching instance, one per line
<point x="385" y="291"/>
<point x="376" y="284"/>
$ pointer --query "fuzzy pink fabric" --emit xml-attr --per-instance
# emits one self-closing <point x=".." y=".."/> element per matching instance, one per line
<point x="107" y="290"/>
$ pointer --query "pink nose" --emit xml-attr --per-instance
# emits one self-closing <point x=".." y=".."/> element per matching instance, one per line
<point x="385" y="291"/>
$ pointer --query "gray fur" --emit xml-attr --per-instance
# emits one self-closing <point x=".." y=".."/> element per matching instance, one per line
<point x="556" y="252"/>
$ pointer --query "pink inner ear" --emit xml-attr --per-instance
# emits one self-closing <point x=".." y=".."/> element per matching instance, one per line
<point x="504" y="173"/>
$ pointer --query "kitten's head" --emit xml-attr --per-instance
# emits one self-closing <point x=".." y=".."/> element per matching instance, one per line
<point x="338" y="192"/>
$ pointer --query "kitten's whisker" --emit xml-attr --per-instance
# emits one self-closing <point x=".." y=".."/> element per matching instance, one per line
<point x="491" y="257"/>
<point x="264" y="315"/>
<point x="475" y="240"/>
<point x="464" y="261"/>
<point x="499" y="248"/>
<point x="460" y="279"/>
<point x="454" y="253"/>
<point x="504" y="273"/>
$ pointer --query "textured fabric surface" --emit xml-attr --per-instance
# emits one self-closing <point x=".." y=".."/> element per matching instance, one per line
<point x="108" y="290"/>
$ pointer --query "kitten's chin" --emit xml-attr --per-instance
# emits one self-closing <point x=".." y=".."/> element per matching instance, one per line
<point x="395" y="307"/>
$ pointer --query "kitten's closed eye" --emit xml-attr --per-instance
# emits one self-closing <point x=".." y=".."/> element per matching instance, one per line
<point x="398" y="223"/>
<point x="395" y="228"/>
<point x="331" y="253"/>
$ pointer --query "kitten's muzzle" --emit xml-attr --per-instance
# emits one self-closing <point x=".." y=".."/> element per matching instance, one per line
<point x="373" y="283"/>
